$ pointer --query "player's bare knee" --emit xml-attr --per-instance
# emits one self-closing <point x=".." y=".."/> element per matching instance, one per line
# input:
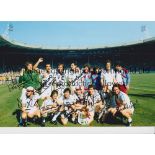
<point x="30" y="115"/>
<point x="24" y="115"/>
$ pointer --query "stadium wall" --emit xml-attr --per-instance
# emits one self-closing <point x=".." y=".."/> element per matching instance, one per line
<point x="140" y="55"/>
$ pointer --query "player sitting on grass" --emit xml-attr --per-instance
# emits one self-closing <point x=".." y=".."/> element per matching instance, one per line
<point x="93" y="102"/>
<point x="68" y="106"/>
<point x="79" y="97"/>
<point x="50" y="107"/>
<point x="106" y="96"/>
<point x="84" y="116"/>
<point x="123" y="105"/>
<point x="30" y="107"/>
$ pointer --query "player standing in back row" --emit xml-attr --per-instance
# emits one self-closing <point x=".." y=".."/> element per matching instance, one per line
<point x="86" y="77"/>
<point x="60" y="79"/>
<point x="108" y="76"/>
<point x="122" y="78"/>
<point x="47" y="79"/>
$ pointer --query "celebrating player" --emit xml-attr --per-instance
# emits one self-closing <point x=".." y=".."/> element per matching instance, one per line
<point x="30" y="107"/>
<point x="68" y="106"/>
<point x="96" y="78"/>
<point x="86" y="77"/>
<point x="72" y="76"/>
<point x="93" y="102"/>
<point x="60" y="79"/>
<point x="47" y="81"/>
<point x="108" y="76"/>
<point x="69" y="95"/>
<point x="123" y="104"/>
<point x="50" y="107"/>
<point x="122" y="78"/>
<point x="29" y="78"/>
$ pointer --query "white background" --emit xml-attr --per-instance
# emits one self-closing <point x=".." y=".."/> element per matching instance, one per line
<point x="77" y="10"/>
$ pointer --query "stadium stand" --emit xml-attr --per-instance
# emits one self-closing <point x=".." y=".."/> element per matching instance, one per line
<point x="137" y="57"/>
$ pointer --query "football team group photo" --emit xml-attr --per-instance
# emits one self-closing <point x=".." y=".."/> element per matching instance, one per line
<point x="79" y="78"/>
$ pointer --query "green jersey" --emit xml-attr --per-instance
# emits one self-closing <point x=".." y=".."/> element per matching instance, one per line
<point x="30" y="78"/>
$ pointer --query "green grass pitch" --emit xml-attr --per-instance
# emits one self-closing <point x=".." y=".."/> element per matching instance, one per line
<point x="142" y="90"/>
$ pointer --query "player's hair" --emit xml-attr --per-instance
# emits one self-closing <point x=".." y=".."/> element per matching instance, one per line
<point x="74" y="63"/>
<point x="48" y="64"/>
<point x="54" y="92"/>
<point x="87" y="65"/>
<point x="118" y="64"/>
<point x="67" y="89"/>
<point x="90" y="86"/>
<point x="27" y="63"/>
<point x="108" y="61"/>
<point x="61" y="64"/>
<point x="115" y="85"/>
<point x="94" y="69"/>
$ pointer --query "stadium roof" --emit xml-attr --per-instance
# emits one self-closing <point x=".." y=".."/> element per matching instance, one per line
<point x="5" y="41"/>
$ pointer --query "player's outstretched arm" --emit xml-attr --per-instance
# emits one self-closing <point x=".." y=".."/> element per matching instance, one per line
<point x="37" y="63"/>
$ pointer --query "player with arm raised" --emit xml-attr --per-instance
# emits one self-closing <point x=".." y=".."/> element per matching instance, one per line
<point x="37" y="63"/>
<point x="29" y="78"/>
<point x="47" y="79"/>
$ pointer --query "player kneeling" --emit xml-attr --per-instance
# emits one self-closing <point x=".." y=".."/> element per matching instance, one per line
<point x="123" y="105"/>
<point x="30" y="107"/>
<point x="50" y="107"/>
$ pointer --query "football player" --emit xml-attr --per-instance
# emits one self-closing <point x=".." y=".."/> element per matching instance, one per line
<point x="96" y="78"/>
<point x="86" y="77"/>
<point x="93" y="102"/>
<point x="60" y="79"/>
<point x="47" y="81"/>
<point x="122" y="78"/>
<point x="68" y="106"/>
<point x="79" y="104"/>
<point x="50" y="107"/>
<point x="123" y="105"/>
<point x="30" y="107"/>
<point x="108" y="76"/>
